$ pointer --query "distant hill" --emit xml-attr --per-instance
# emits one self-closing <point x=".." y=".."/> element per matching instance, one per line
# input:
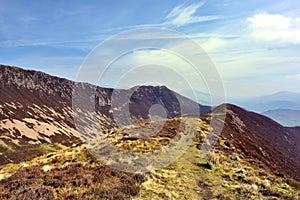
<point x="281" y="106"/>
<point x="280" y="100"/>
<point x="285" y="117"/>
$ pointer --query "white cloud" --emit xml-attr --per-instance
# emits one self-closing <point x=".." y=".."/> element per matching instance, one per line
<point x="213" y="44"/>
<point x="263" y="20"/>
<point x="274" y="28"/>
<point x="295" y="76"/>
<point x="181" y="16"/>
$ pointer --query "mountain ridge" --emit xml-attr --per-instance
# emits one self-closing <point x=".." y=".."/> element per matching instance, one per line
<point x="35" y="121"/>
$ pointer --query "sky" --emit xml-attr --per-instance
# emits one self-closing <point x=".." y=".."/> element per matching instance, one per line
<point x="254" y="45"/>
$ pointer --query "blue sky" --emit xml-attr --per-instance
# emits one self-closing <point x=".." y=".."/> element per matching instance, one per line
<point x="255" y="45"/>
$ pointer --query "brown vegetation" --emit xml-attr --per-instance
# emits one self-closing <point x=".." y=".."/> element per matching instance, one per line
<point x="85" y="179"/>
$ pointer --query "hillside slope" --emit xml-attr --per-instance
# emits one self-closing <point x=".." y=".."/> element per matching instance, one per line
<point x="263" y="141"/>
<point x="73" y="173"/>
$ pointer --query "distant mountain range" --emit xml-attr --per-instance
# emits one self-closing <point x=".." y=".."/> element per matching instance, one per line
<point x="286" y="117"/>
<point x="280" y="100"/>
<point x="281" y="106"/>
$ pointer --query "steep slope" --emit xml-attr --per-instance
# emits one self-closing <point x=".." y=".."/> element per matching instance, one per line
<point x="34" y="109"/>
<point x="262" y="141"/>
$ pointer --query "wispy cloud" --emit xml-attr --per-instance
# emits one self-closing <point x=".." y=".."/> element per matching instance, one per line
<point x="184" y="15"/>
<point x="275" y="28"/>
<point x="179" y="16"/>
<point x="79" y="44"/>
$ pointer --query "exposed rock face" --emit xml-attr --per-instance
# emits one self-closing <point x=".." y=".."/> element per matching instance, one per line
<point x="35" y="81"/>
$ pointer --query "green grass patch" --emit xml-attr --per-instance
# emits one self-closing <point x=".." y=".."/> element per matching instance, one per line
<point x="3" y="145"/>
<point x="48" y="148"/>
